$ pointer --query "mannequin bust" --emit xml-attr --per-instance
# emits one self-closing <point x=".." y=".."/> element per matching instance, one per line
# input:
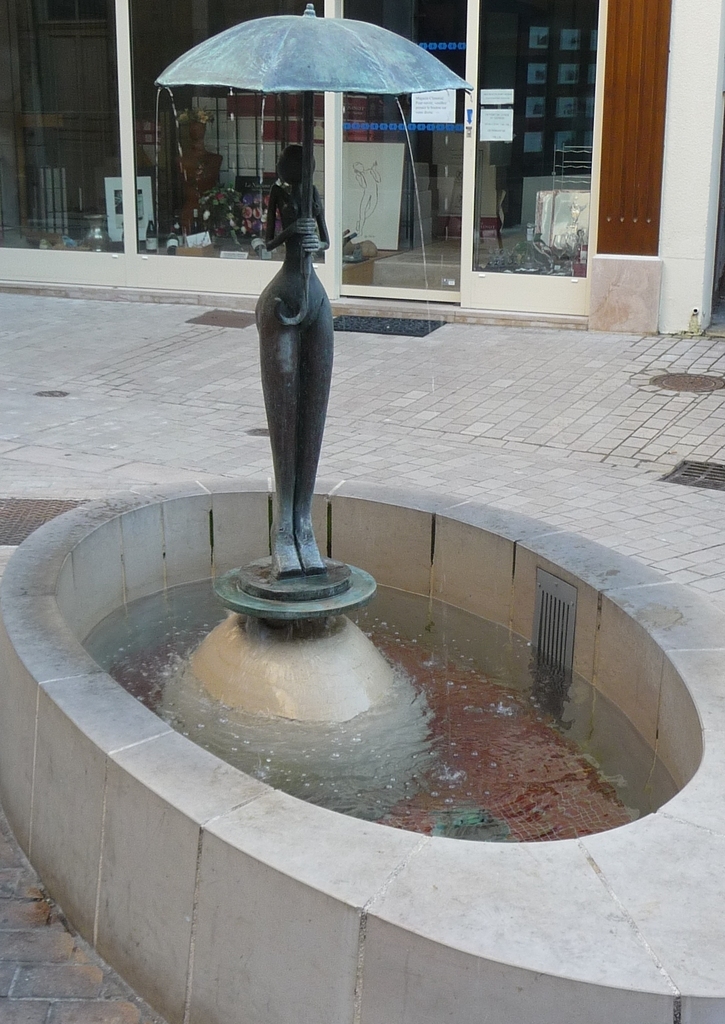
<point x="200" y="170"/>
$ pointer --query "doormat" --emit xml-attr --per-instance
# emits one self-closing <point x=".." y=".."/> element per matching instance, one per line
<point x="387" y="325"/>
<point x="20" y="516"/>
<point x="698" y="474"/>
<point x="223" y="318"/>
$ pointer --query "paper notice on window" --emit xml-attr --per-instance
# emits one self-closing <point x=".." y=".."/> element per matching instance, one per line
<point x="434" y="106"/>
<point x="496" y="97"/>
<point x="496" y="125"/>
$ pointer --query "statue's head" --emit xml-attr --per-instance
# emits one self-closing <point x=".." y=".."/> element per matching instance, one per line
<point x="289" y="165"/>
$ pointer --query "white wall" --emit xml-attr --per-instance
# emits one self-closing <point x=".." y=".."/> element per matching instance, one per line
<point x="693" y="139"/>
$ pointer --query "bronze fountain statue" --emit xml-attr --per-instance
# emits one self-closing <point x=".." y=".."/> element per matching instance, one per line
<point x="296" y="585"/>
<point x="294" y="319"/>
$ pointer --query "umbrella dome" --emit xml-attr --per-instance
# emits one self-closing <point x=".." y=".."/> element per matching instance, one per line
<point x="309" y="54"/>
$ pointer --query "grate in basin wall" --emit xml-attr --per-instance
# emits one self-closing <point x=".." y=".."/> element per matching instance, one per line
<point x="554" y="621"/>
<point x="20" y="516"/>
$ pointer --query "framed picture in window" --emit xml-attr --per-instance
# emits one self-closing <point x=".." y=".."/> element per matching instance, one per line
<point x="570" y="39"/>
<point x="114" y="207"/>
<point x="535" y="106"/>
<point x="568" y="74"/>
<point x="562" y="139"/>
<point x="538" y="37"/>
<point x="567" y="106"/>
<point x="536" y="74"/>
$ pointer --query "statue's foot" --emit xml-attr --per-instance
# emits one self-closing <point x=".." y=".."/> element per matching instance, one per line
<point x="285" y="560"/>
<point x="309" y="553"/>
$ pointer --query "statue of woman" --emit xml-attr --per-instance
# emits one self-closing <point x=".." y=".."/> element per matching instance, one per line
<point x="294" y="320"/>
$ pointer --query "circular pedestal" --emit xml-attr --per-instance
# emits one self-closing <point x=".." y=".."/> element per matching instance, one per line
<point x="321" y="670"/>
<point x="300" y="597"/>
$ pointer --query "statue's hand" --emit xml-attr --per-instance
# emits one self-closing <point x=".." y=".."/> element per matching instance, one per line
<point x="307" y="228"/>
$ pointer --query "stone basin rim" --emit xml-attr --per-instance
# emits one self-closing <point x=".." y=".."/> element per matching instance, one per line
<point x="362" y="868"/>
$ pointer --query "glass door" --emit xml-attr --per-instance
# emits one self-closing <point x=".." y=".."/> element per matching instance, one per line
<point x="402" y="216"/>
<point x="531" y="149"/>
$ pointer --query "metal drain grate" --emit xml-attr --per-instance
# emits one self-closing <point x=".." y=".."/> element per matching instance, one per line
<point x="554" y="621"/>
<point x="51" y="394"/>
<point x="223" y="318"/>
<point x="258" y="432"/>
<point x="387" y="325"/>
<point x="20" y="516"/>
<point x="698" y="474"/>
<point x="698" y="382"/>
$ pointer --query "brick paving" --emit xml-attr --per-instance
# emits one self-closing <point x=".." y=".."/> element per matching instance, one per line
<point x="48" y="975"/>
<point x="559" y="424"/>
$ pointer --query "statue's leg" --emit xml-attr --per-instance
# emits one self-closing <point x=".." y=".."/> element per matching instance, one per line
<point x="279" y="359"/>
<point x="316" y="350"/>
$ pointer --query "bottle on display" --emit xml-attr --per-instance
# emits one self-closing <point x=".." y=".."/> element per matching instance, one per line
<point x="195" y="224"/>
<point x="172" y="242"/>
<point x="152" y="238"/>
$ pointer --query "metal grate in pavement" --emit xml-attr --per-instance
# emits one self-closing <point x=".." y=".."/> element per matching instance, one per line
<point x="258" y="432"/>
<point x="698" y="474"/>
<point x="698" y="382"/>
<point x="223" y="318"/>
<point x="402" y="326"/>
<point x="51" y="394"/>
<point x="20" y="516"/>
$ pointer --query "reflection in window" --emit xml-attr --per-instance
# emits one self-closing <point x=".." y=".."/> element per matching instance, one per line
<point x="59" y="136"/>
<point x="210" y="179"/>
<point x="537" y="73"/>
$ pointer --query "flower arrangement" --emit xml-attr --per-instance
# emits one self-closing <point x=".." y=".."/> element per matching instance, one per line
<point x="196" y="114"/>
<point x="226" y="213"/>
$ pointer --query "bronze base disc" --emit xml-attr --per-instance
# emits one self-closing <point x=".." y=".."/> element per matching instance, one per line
<point x="258" y="580"/>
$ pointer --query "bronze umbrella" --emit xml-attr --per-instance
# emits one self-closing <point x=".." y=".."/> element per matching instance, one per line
<point x="309" y="54"/>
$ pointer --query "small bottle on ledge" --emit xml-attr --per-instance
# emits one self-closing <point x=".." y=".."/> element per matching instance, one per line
<point x="172" y="242"/>
<point x="152" y="239"/>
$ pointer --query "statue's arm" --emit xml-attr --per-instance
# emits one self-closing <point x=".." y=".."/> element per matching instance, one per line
<point x="304" y="226"/>
<point x="321" y="223"/>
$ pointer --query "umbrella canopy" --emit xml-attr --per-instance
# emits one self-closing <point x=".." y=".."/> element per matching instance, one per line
<point x="309" y="54"/>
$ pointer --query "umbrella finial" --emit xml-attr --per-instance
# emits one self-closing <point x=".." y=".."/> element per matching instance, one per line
<point x="310" y="11"/>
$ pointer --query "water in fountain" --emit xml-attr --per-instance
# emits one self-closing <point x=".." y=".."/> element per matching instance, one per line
<point x="470" y="743"/>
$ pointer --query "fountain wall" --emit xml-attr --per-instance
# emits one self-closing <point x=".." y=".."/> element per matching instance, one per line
<point x="221" y="900"/>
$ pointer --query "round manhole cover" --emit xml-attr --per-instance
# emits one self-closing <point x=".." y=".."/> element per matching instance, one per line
<point x="51" y="394"/>
<point x="258" y="432"/>
<point x="688" y="382"/>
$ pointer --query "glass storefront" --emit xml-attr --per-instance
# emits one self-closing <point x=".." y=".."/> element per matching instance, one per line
<point x="482" y="198"/>
<point x="535" y="136"/>
<point x="402" y="163"/>
<point x="59" y="136"/>
<point x="216" y="151"/>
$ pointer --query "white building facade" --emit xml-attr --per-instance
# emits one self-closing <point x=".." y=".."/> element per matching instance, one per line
<point x="580" y="179"/>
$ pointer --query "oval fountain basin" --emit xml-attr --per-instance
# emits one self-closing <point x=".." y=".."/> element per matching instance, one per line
<point x="222" y="900"/>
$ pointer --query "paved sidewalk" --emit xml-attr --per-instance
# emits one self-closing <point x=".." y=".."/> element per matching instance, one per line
<point x="559" y="424"/>
<point x="563" y="425"/>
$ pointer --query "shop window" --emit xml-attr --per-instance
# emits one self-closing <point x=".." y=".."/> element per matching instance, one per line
<point x="206" y="158"/>
<point x="403" y="164"/>
<point x="59" y="137"/>
<point x="537" y="71"/>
